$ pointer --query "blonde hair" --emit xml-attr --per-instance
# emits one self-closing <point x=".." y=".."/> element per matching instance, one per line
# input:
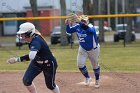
<point x="37" y="32"/>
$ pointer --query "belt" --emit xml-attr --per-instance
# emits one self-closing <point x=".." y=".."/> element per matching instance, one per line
<point x="41" y="62"/>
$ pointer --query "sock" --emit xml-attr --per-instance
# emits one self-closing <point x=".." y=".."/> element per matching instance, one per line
<point x="56" y="90"/>
<point x="84" y="71"/>
<point x="32" y="88"/>
<point x="97" y="73"/>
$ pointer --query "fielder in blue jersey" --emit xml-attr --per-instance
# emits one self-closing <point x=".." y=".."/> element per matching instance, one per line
<point x="42" y="59"/>
<point x="89" y="45"/>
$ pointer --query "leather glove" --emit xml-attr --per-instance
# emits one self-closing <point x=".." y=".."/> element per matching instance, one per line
<point x="73" y="18"/>
<point x="13" y="60"/>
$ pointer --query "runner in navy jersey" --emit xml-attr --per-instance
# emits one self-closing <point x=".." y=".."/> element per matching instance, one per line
<point x="40" y="56"/>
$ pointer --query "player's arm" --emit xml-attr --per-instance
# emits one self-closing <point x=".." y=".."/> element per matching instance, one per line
<point x="34" y="47"/>
<point x="27" y="57"/>
<point x="70" y="29"/>
<point x="23" y="58"/>
<point x="18" y="59"/>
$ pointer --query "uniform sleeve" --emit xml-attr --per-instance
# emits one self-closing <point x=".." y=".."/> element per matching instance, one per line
<point x="35" y="46"/>
<point x="32" y="54"/>
<point x="72" y="29"/>
<point x="24" y="58"/>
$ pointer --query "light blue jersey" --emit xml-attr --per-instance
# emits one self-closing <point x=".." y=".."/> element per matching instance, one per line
<point x="87" y="38"/>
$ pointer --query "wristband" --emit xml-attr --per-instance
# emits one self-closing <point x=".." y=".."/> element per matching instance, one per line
<point x="18" y="59"/>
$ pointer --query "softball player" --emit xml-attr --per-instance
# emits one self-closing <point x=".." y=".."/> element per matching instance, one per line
<point x="89" y="46"/>
<point x="40" y="56"/>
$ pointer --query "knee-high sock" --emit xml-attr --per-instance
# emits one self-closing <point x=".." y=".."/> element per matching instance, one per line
<point x="84" y="71"/>
<point x="56" y="90"/>
<point x="97" y="73"/>
<point x="32" y="88"/>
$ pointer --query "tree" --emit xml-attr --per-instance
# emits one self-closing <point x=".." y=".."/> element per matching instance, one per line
<point x="129" y="9"/>
<point x="101" y="5"/>
<point x="88" y="9"/>
<point x="112" y="11"/>
<point x="33" y="4"/>
<point x="0" y="25"/>
<point x="95" y="7"/>
<point x="64" y="40"/>
<point x="91" y="8"/>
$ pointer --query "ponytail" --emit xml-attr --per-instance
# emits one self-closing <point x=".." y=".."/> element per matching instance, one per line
<point x="38" y="33"/>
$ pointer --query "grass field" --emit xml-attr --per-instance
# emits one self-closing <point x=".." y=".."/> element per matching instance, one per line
<point x="113" y="57"/>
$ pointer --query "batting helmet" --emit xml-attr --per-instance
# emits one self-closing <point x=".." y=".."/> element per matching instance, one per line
<point x="26" y="28"/>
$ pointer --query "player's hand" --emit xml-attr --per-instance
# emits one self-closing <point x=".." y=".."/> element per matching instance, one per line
<point x="12" y="60"/>
<point x="67" y="21"/>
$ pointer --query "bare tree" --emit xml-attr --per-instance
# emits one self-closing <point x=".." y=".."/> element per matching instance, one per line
<point x="129" y="9"/>
<point x="1" y="25"/>
<point x="101" y="4"/>
<point x="112" y="11"/>
<point x="88" y="9"/>
<point x="95" y="7"/>
<point x="33" y="4"/>
<point x="64" y="40"/>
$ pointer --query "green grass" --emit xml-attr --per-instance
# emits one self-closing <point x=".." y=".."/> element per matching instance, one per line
<point x="12" y="39"/>
<point x="113" y="57"/>
<point x="7" y="38"/>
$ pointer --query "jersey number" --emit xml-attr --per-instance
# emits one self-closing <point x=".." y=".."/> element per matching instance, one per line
<point x="81" y="39"/>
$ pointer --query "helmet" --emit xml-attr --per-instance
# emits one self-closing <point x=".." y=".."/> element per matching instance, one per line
<point x="26" y="28"/>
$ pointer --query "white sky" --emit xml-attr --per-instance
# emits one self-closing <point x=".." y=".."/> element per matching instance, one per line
<point x="18" y="5"/>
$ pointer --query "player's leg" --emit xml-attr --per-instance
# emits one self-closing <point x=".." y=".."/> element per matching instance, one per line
<point x="56" y="90"/>
<point x="32" y="88"/>
<point x="31" y="72"/>
<point x="49" y="71"/>
<point x="94" y="56"/>
<point x="81" y="63"/>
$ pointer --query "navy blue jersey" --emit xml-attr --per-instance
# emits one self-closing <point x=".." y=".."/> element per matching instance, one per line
<point x="87" y="38"/>
<point x="43" y="52"/>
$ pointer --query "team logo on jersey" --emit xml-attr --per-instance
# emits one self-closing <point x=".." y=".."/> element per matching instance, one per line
<point x="82" y="35"/>
<point x="81" y="40"/>
<point x="32" y="47"/>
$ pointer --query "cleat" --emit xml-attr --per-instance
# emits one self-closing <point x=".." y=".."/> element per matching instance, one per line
<point x="88" y="81"/>
<point x="97" y="85"/>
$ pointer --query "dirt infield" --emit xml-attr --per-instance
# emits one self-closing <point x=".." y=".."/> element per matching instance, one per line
<point x="70" y="82"/>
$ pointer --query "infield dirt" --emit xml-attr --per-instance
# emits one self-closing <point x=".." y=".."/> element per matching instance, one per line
<point x="70" y="82"/>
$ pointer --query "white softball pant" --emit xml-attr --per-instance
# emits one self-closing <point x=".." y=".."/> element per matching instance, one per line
<point x="93" y="56"/>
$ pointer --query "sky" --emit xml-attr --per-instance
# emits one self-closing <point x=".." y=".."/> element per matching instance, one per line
<point x="18" y="5"/>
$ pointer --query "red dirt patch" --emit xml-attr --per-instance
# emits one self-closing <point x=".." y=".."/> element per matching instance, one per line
<point x="11" y="82"/>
